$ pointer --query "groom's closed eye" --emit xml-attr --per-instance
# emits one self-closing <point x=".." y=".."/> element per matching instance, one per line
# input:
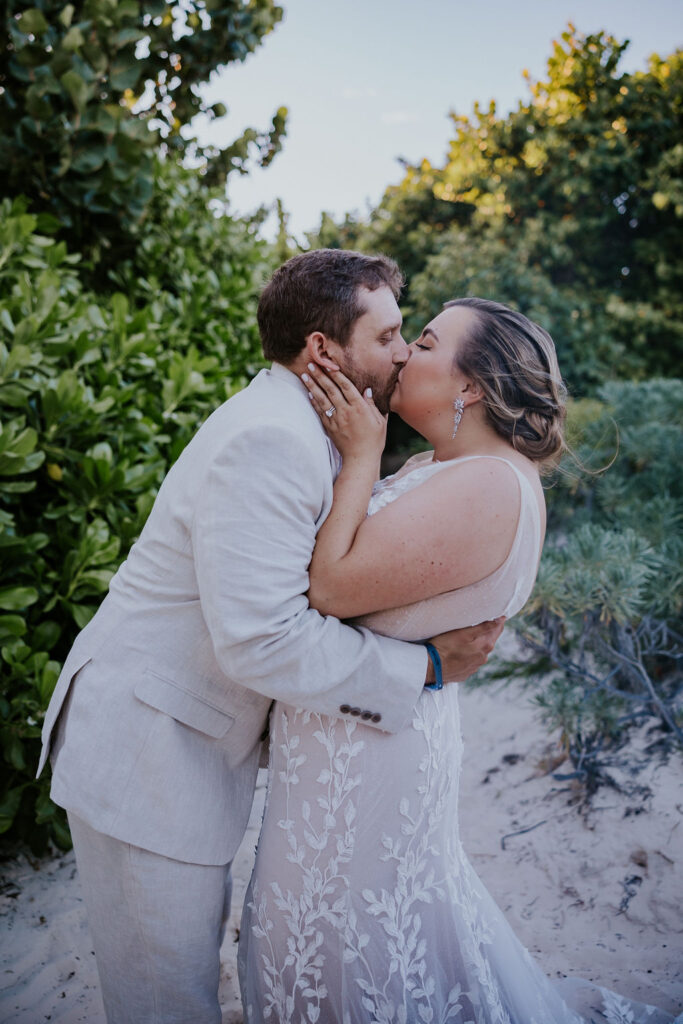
<point x="388" y="336"/>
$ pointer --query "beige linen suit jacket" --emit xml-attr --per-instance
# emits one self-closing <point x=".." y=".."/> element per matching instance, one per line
<point x="155" y="724"/>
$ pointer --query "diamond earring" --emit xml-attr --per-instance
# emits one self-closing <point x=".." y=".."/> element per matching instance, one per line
<point x="459" y="406"/>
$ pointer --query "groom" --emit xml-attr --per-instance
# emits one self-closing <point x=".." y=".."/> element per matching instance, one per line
<point x="156" y="722"/>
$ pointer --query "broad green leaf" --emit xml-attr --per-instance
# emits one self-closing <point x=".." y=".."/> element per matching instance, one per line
<point x="18" y="486"/>
<point x="11" y="625"/>
<point x="102" y="450"/>
<point x="66" y="15"/>
<point x="73" y="39"/>
<point x="47" y="681"/>
<point x="89" y="160"/>
<point x="37" y="105"/>
<point x="32" y="22"/>
<point x="14" y="599"/>
<point x="77" y="88"/>
<point x="95" y="317"/>
<point x="82" y="614"/>
<point x="9" y="807"/>
<point x="13" y="750"/>
<point x="125" y="74"/>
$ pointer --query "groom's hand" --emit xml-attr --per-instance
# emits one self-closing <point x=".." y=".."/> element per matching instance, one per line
<point x="463" y="651"/>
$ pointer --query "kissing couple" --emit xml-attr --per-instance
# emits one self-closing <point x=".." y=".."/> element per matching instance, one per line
<point x="276" y="580"/>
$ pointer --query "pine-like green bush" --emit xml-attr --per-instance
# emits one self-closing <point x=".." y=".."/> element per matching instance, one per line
<point x="604" y="625"/>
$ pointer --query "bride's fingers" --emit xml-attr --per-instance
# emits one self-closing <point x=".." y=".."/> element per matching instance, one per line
<point x="347" y="388"/>
<point x="325" y="382"/>
<point x="320" y="401"/>
<point x="321" y="387"/>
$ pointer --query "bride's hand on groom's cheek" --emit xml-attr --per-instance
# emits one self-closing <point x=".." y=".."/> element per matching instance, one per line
<point x="352" y="420"/>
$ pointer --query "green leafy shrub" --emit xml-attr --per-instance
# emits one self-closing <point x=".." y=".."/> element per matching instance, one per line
<point x="604" y="625"/>
<point x="98" y="396"/>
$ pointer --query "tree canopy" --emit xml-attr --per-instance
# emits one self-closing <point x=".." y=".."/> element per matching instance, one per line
<point x="569" y="208"/>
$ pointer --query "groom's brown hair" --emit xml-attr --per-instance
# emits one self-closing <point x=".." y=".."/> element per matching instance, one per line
<point x="318" y="291"/>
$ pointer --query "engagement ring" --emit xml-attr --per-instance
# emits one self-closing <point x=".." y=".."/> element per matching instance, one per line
<point x="331" y="411"/>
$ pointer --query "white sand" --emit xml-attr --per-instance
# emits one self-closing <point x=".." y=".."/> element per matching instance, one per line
<point x="561" y="885"/>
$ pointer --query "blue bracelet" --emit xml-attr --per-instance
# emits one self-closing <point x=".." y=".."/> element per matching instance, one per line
<point x="436" y="662"/>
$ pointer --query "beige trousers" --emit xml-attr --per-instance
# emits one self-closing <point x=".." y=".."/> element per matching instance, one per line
<point x="157" y="926"/>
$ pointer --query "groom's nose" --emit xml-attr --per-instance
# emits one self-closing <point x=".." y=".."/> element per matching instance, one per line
<point x="401" y="352"/>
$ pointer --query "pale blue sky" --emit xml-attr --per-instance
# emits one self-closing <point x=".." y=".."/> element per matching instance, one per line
<point x="367" y="81"/>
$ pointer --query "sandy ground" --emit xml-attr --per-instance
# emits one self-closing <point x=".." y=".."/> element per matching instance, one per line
<point x="594" y="893"/>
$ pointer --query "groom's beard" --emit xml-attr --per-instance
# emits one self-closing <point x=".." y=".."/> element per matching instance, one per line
<point x="382" y="389"/>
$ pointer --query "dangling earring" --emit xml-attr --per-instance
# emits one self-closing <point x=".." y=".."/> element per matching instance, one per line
<point x="459" y="406"/>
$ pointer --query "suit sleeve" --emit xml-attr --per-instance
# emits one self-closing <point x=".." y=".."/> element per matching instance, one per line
<point x="253" y="536"/>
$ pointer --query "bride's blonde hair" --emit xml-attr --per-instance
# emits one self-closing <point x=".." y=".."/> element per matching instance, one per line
<point x="514" y="363"/>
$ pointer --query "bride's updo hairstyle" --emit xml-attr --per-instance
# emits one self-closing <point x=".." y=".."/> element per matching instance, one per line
<point x="514" y="363"/>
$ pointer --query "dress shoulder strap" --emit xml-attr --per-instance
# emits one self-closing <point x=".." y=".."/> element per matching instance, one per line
<point x="470" y="458"/>
<point x="527" y="489"/>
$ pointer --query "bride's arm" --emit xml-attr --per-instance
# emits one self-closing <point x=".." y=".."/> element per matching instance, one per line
<point x="455" y="528"/>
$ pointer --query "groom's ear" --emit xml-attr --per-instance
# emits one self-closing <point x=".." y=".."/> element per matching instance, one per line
<point x="320" y="349"/>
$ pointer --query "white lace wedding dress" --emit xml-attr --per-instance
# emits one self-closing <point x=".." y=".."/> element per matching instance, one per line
<point x="362" y="907"/>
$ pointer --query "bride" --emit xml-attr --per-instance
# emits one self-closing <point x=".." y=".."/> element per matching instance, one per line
<point x="362" y="906"/>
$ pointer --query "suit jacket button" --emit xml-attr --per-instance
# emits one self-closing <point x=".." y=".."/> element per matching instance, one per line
<point x="345" y="708"/>
<point x="365" y="715"/>
<point x="354" y="711"/>
<point x="376" y="718"/>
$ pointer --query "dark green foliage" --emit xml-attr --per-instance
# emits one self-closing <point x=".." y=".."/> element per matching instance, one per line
<point x="88" y="91"/>
<point x="98" y="395"/>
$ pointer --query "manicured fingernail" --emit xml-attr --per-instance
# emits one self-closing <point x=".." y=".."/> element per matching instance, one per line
<point x="368" y="392"/>
<point x="304" y="376"/>
<point x="311" y="367"/>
